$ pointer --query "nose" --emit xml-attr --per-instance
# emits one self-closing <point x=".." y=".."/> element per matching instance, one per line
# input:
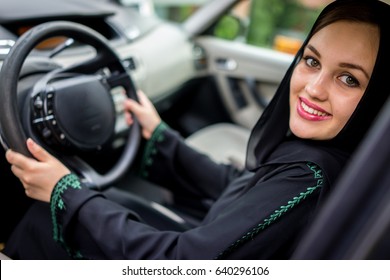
<point x="317" y="86"/>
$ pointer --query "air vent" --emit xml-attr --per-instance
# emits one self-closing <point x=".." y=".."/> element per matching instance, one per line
<point x="5" y="47"/>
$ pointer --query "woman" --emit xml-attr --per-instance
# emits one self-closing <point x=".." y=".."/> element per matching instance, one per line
<point x="325" y="104"/>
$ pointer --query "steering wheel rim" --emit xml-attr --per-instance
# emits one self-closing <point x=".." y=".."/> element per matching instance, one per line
<point x="14" y="135"/>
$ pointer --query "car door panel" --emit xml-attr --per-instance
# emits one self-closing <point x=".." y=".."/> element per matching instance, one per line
<point x="246" y="76"/>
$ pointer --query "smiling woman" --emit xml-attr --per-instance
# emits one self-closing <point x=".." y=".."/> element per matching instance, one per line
<point x="303" y="140"/>
<point x="329" y="81"/>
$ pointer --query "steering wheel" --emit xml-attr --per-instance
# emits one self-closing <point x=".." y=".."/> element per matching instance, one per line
<point x="71" y="110"/>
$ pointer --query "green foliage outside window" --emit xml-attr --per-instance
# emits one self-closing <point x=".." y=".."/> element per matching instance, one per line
<point x="227" y="28"/>
<point x="265" y="19"/>
<point x="269" y="17"/>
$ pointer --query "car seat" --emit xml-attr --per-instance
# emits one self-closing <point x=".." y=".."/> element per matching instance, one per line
<point x="223" y="142"/>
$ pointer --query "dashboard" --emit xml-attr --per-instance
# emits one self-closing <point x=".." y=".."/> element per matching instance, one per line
<point x="147" y="45"/>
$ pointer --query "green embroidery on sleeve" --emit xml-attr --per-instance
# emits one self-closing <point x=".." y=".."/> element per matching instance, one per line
<point x="57" y="204"/>
<point x="70" y="180"/>
<point x="150" y="148"/>
<point x="317" y="173"/>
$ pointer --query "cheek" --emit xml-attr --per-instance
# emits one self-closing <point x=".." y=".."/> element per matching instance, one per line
<point x="344" y="108"/>
<point x="297" y="82"/>
<point x="293" y="85"/>
<point x="296" y="87"/>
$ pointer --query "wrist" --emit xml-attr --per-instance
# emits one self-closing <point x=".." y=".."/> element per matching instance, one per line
<point x="147" y="133"/>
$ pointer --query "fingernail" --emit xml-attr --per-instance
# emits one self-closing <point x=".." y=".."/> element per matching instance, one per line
<point x="31" y="143"/>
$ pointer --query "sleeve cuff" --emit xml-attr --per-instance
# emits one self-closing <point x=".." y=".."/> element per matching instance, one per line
<point x="57" y="205"/>
<point x="150" y="148"/>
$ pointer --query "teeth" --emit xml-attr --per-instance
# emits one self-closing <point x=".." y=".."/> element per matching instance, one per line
<point x="312" y="111"/>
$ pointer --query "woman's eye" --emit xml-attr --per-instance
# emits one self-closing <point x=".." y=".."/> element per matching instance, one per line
<point x="349" y="80"/>
<point x="311" y="62"/>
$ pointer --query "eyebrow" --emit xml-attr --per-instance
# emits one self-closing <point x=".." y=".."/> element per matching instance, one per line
<point x="354" y="66"/>
<point x="343" y="64"/>
<point x="314" y="50"/>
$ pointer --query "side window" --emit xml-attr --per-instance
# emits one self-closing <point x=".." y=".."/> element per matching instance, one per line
<point x="276" y="24"/>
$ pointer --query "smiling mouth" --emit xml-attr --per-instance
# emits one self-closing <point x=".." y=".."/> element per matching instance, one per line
<point x="313" y="111"/>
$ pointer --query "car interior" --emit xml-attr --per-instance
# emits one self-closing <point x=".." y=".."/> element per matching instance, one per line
<point x="212" y="91"/>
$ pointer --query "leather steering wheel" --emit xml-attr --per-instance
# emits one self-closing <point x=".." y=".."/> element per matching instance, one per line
<point x="70" y="110"/>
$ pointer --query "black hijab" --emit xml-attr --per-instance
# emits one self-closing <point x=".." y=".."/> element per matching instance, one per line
<point x="269" y="136"/>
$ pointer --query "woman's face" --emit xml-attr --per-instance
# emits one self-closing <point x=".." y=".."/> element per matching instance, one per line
<point x="330" y="79"/>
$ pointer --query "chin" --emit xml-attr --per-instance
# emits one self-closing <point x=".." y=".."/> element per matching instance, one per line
<point x="302" y="133"/>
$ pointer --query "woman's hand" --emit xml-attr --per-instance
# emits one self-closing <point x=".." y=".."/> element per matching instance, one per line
<point x="145" y="112"/>
<point x="38" y="175"/>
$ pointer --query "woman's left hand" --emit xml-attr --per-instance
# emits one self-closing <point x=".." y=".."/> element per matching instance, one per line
<point x="38" y="175"/>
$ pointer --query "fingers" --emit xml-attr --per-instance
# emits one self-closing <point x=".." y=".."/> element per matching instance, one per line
<point x="22" y="161"/>
<point x="136" y="107"/>
<point x="129" y="118"/>
<point x="16" y="171"/>
<point x="143" y="99"/>
<point x="133" y="106"/>
<point x="144" y="111"/>
<point x="21" y="166"/>
<point x="17" y="159"/>
<point x="37" y="151"/>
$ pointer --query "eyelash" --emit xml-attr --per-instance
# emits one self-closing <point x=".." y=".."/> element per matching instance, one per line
<point x="308" y="63"/>
<point x="354" y="81"/>
<point x="307" y="58"/>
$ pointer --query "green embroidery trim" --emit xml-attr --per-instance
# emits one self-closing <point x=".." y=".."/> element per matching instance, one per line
<point x="317" y="172"/>
<point x="57" y="204"/>
<point x="150" y="148"/>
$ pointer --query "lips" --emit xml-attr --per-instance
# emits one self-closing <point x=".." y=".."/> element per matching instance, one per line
<point x="310" y="111"/>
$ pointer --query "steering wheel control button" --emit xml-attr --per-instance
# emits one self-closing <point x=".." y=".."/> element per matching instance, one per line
<point x="46" y="133"/>
<point x="38" y="103"/>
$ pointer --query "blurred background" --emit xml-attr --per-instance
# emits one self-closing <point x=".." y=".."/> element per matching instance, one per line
<point x="284" y="23"/>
